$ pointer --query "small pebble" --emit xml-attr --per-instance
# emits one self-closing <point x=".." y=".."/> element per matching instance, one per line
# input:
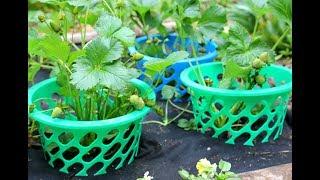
<point x="208" y="148"/>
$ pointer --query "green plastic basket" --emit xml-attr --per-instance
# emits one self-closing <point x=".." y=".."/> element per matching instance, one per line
<point x="212" y="103"/>
<point x="112" y="143"/>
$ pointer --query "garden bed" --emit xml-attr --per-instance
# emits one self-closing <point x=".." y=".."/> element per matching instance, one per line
<point x="164" y="150"/>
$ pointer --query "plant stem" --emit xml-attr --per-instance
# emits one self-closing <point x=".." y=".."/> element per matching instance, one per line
<point x="180" y="108"/>
<point x="66" y="30"/>
<point x="280" y="39"/>
<point x="166" y="113"/>
<point x="255" y="27"/>
<point x="46" y="66"/>
<point x="84" y="31"/>
<point x="110" y="9"/>
<point x="157" y="122"/>
<point x="197" y="62"/>
<point x="184" y="110"/>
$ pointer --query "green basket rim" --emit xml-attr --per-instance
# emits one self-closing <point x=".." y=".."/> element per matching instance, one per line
<point x="228" y="92"/>
<point x="71" y="124"/>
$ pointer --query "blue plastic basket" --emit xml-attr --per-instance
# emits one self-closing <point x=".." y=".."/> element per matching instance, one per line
<point x="176" y="68"/>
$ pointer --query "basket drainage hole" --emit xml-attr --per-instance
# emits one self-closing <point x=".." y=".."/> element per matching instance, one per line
<point x="240" y="123"/>
<point x="65" y="138"/>
<point x="70" y="153"/>
<point x="210" y="132"/>
<point x="112" y="151"/>
<point x="113" y="165"/>
<point x="220" y="76"/>
<point x="221" y="121"/>
<point x="110" y="136"/>
<point x="128" y="131"/>
<point x="56" y="97"/>
<point x="257" y="108"/>
<point x="89" y="156"/>
<point x="87" y="139"/>
<point x="259" y="123"/>
<point x="273" y="121"/>
<point x="75" y="168"/>
<point x="128" y="145"/>
<point x="58" y="163"/>
<point x="127" y="160"/>
<point x="53" y="148"/>
<point x="95" y="168"/>
<point x="242" y="138"/>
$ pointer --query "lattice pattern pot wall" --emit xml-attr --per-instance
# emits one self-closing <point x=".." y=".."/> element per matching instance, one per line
<point x="174" y="70"/>
<point x="88" y="147"/>
<point x="240" y="114"/>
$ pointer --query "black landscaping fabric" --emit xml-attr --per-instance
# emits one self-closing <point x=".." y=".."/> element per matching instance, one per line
<point x="164" y="150"/>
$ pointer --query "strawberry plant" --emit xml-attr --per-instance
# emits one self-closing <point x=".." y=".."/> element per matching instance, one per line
<point x="93" y="78"/>
<point x="208" y="171"/>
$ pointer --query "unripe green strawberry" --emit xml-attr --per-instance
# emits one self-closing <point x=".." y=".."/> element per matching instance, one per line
<point x="42" y="18"/>
<point x="136" y="101"/>
<point x="149" y="102"/>
<point x="149" y="41"/>
<point x="137" y="56"/>
<point x="55" y="26"/>
<point x="260" y="80"/>
<point x="120" y="3"/>
<point x="264" y="57"/>
<point x="257" y="63"/>
<point x="156" y="40"/>
<point x="57" y="112"/>
<point x="159" y="110"/>
<point x="75" y="10"/>
<point x="61" y="16"/>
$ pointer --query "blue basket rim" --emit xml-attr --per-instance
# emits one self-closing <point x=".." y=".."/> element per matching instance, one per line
<point x="133" y="50"/>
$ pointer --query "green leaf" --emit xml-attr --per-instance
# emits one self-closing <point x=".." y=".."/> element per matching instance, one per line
<point x="184" y="174"/>
<point x="282" y="9"/>
<point x="242" y="15"/>
<point x="126" y="36"/>
<point x="192" y="11"/>
<point x="55" y="48"/>
<point x="75" y="55"/>
<point x="258" y="7"/>
<point x="233" y="70"/>
<point x="158" y="65"/>
<point x="215" y="14"/>
<point x="33" y="68"/>
<point x="167" y="92"/>
<point x="103" y="50"/>
<point x="239" y="35"/>
<point x="79" y="3"/>
<point x="187" y="124"/>
<point x="224" y="165"/>
<point x="115" y="49"/>
<point x="115" y="76"/>
<point x="143" y="6"/>
<point x="107" y="25"/>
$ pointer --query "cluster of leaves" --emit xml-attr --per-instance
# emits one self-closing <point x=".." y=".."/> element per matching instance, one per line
<point x="270" y="19"/>
<point x="94" y="78"/>
<point x="208" y="171"/>
<point x="192" y="20"/>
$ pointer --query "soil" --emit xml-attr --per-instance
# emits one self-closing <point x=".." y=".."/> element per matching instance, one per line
<point x="164" y="150"/>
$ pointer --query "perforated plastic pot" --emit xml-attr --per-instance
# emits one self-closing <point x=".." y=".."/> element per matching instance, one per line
<point x="87" y="145"/>
<point x="175" y="69"/>
<point x="262" y="110"/>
